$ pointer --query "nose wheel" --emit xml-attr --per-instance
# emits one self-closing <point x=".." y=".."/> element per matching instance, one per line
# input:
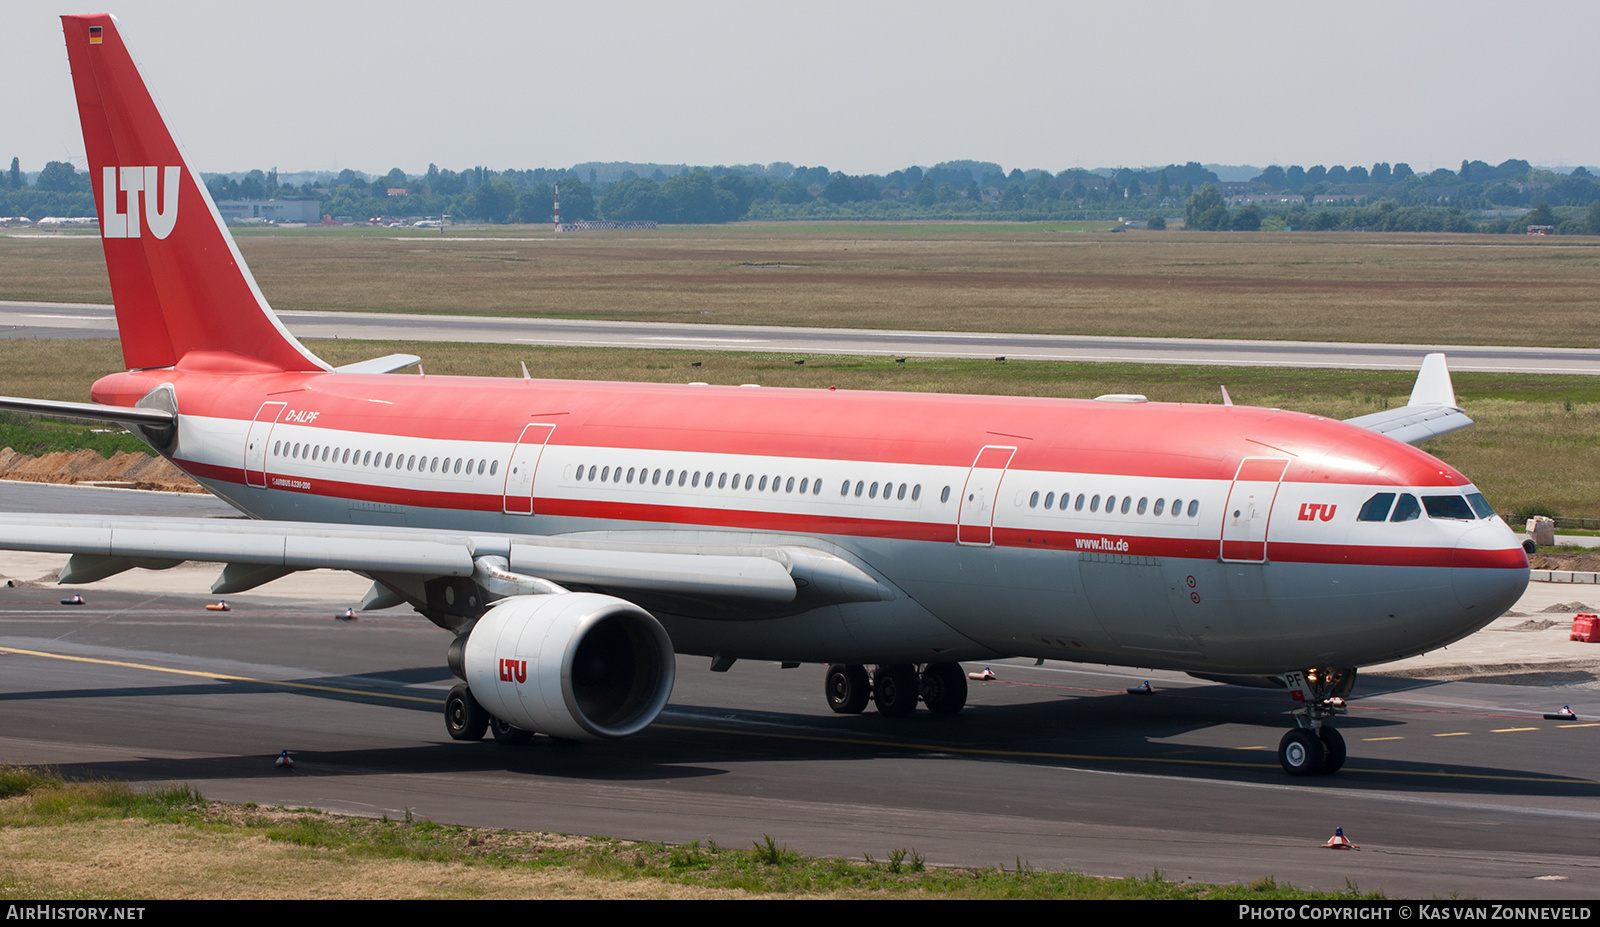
<point x="1314" y="747"/>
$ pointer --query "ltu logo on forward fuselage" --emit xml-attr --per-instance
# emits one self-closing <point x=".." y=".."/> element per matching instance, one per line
<point x="160" y="201"/>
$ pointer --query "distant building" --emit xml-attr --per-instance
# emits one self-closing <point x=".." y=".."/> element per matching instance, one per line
<point x="306" y="210"/>
<point x="1266" y="199"/>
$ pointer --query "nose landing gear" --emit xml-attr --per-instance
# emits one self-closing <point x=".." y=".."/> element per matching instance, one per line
<point x="1314" y="747"/>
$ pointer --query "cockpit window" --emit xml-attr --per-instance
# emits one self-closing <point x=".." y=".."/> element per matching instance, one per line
<point x="1480" y="505"/>
<point x="1448" y="507"/>
<point x="1377" y="508"/>
<point x="1406" y="509"/>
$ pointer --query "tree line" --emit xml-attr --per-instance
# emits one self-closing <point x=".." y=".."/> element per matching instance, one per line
<point x="1382" y="196"/>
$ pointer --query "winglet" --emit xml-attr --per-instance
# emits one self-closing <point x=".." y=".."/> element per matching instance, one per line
<point x="1432" y="411"/>
<point x="1433" y="384"/>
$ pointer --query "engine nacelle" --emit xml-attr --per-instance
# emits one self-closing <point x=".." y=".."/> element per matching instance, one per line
<point x="578" y="665"/>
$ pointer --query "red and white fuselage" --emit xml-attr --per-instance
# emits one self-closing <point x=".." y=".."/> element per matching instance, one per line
<point x="1197" y="537"/>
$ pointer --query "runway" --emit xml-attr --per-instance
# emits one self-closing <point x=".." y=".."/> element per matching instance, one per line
<point x="1451" y="787"/>
<point x="61" y="320"/>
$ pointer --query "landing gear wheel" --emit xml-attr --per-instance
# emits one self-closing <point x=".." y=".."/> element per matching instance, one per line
<point x="847" y="688"/>
<point x="944" y="688"/>
<point x="1301" y="753"/>
<point x="894" y="690"/>
<point x="1333" y="749"/>
<point x="507" y="735"/>
<point x="464" y="718"/>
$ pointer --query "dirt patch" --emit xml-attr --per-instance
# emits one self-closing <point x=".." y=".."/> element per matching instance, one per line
<point x="1566" y="608"/>
<point x="123" y="470"/>
<point x="1584" y="562"/>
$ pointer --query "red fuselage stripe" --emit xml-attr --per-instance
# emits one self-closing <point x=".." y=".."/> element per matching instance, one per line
<point x="1110" y="541"/>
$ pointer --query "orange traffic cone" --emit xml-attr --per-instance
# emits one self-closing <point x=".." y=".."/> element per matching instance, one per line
<point x="1339" y="841"/>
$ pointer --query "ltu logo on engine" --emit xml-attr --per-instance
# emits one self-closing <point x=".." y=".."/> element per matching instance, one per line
<point x="513" y="670"/>
<point x="157" y="186"/>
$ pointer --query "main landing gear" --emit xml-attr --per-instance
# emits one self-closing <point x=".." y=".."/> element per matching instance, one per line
<point x="465" y="719"/>
<point x="1314" y="747"/>
<point x="895" y="688"/>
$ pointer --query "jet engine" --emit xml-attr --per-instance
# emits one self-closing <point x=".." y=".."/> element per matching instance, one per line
<point x="578" y="665"/>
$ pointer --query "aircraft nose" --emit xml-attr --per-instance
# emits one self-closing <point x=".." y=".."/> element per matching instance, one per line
<point x="1489" y="570"/>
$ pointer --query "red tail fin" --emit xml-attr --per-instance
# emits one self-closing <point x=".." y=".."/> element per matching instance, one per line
<point x="182" y="291"/>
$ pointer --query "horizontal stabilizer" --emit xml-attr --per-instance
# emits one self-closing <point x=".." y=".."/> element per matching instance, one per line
<point x="92" y="411"/>
<point x="389" y="363"/>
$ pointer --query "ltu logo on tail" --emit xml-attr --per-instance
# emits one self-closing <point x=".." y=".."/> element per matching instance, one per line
<point x="160" y="201"/>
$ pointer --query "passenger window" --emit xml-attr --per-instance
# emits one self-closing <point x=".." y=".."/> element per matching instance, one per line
<point x="1033" y="500"/>
<point x="916" y="492"/>
<point x="696" y="481"/>
<point x="845" y="489"/>
<point x="495" y="465"/>
<point x="860" y="485"/>
<point x="900" y="494"/>
<point x="816" y="486"/>
<point x="630" y="474"/>
<point x="434" y="467"/>
<point x="1094" y="504"/>
<point x="277" y="446"/>
<point x="945" y="495"/>
<point x="605" y="475"/>
<point x="873" y="492"/>
<point x="1194" y="507"/>
<point x="1455" y="507"/>
<point x="1078" y="507"/>
<point x="805" y="484"/>
<point x="411" y="462"/>
<point x="750" y="480"/>
<point x="655" y="478"/>
<point x="763" y="485"/>
<point x="722" y="481"/>
<point x="1406" y="509"/>
<point x="683" y="475"/>
<point x="788" y="485"/>
<point x="1049" y="499"/>
<point x="736" y="480"/>
<point x="1376" y="508"/>
<point x="1142" y="504"/>
<point x="1161" y="505"/>
<point x="1126" y="502"/>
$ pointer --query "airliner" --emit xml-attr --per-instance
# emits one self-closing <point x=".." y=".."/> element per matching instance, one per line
<point x="574" y="537"/>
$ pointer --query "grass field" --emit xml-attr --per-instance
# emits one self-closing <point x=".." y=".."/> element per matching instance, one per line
<point x="1536" y="444"/>
<point x="1045" y="277"/>
<point x="103" y="840"/>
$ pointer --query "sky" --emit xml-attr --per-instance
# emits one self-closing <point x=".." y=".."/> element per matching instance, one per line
<point x="868" y="86"/>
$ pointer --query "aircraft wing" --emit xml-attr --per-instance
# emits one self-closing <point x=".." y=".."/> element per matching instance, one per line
<point x="1431" y="412"/>
<point x="256" y="552"/>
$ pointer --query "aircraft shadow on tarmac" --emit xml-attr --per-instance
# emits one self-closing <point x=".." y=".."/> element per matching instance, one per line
<point x="1161" y="734"/>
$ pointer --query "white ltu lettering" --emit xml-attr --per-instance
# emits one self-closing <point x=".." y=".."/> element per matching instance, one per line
<point x="133" y="184"/>
<point x="161" y="213"/>
<point x="157" y="186"/>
